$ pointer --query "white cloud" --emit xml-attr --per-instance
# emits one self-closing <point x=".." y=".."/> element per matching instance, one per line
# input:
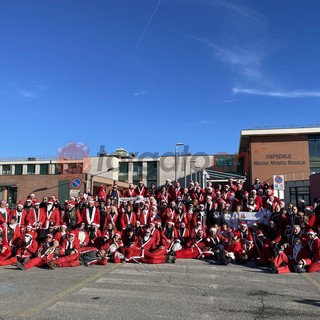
<point x="27" y="94"/>
<point x="140" y="93"/>
<point x="279" y="94"/>
<point x="15" y="89"/>
<point x="244" y="61"/>
<point x="240" y="9"/>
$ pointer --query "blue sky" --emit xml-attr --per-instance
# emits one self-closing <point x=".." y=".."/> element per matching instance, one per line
<point x="146" y="74"/>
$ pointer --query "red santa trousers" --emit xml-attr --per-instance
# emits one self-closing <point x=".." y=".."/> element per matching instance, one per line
<point x="36" y="262"/>
<point x="156" y="257"/>
<point x="187" y="253"/>
<point x="314" y="267"/>
<point x="7" y="262"/>
<point x="72" y="259"/>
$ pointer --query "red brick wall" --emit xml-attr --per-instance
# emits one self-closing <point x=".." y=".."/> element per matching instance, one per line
<point x="40" y="185"/>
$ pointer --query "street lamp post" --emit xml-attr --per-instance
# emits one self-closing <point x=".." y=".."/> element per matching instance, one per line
<point x="175" y="159"/>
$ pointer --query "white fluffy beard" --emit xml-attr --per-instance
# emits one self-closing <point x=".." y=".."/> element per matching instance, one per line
<point x="49" y="207"/>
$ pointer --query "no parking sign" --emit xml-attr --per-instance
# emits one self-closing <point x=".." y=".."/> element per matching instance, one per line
<point x="278" y="182"/>
<point x="75" y="183"/>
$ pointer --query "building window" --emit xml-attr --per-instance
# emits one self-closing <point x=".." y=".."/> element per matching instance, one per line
<point x="314" y="153"/>
<point x="299" y="193"/>
<point x="123" y="171"/>
<point x="227" y="163"/>
<point x="152" y="170"/>
<point x="137" y="172"/>
<point x="44" y="169"/>
<point x="18" y="169"/>
<point x="6" y="169"/>
<point x="31" y="169"/>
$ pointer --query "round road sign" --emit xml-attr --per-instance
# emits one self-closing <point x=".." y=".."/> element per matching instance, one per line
<point x="76" y="183"/>
<point x="278" y="179"/>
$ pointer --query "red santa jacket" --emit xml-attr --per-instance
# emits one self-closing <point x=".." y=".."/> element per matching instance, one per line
<point x="93" y="218"/>
<point x="5" y="215"/>
<point x="129" y="193"/>
<point x="113" y="218"/>
<point x="141" y="191"/>
<point x="66" y="244"/>
<point x="168" y="214"/>
<point x="37" y="220"/>
<point x="147" y="245"/>
<point x="83" y="237"/>
<point x="51" y="216"/>
<point x="20" y="217"/>
<point x="314" y="247"/>
<point x="126" y="220"/>
<point x="25" y="251"/>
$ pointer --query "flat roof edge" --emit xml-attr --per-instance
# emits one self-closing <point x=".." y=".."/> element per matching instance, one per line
<point x="258" y="132"/>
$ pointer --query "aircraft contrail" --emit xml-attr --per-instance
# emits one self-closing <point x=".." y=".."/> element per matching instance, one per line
<point x="146" y="28"/>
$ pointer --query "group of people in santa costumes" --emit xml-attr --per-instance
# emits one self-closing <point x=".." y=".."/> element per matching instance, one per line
<point x="158" y="225"/>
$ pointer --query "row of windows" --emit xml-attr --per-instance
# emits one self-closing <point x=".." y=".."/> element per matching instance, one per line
<point x="137" y="170"/>
<point x="17" y="169"/>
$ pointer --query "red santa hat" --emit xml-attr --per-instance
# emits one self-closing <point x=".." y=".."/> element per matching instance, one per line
<point x="260" y="233"/>
<point x="170" y="221"/>
<point x="309" y="208"/>
<point x="51" y="200"/>
<point x="72" y="233"/>
<point x="64" y="225"/>
<point x="310" y="231"/>
<point x="72" y="203"/>
<point x="29" y="227"/>
<point x="243" y="224"/>
<point x="36" y="201"/>
<point x="29" y="199"/>
<point x="20" y="203"/>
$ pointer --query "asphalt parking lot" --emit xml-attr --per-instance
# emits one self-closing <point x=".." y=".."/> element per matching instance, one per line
<point x="188" y="289"/>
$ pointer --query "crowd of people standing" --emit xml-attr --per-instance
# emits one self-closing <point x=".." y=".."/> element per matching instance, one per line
<point x="162" y="224"/>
